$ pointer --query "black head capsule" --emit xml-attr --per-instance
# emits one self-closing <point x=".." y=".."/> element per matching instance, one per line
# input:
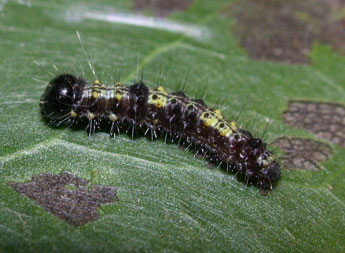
<point x="59" y="97"/>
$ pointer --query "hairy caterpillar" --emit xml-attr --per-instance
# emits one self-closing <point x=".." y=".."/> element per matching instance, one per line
<point x="68" y="99"/>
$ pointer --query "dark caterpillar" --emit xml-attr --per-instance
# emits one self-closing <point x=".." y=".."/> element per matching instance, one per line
<point x="68" y="99"/>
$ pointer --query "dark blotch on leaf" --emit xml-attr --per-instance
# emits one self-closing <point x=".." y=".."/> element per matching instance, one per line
<point x="67" y="196"/>
<point x="303" y="153"/>
<point x="326" y="120"/>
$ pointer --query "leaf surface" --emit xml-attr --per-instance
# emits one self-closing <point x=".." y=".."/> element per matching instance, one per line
<point x="168" y="200"/>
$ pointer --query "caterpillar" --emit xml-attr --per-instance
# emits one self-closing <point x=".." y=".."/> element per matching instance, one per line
<point x="69" y="100"/>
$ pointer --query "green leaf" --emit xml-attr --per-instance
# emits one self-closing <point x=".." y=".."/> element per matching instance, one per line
<point x="168" y="200"/>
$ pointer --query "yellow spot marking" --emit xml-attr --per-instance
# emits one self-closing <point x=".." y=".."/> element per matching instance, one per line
<point x="215" y="119"/>
<point x="113" y="117"/>
<point x="96" y="89"/>
<point x="225" y="130"/>
<point x="97" y="82"/>
<point x="218" y="113"/>
<point x="155" y="121"/>
<point x="157" y="99"/>
<point x="118" y="95"/>
<point x="90" y="115"/>
<point x="228" y="134"/>
<point x="161" y="89"/>
<point x="73" y="114"/>
<point x="211" y="120"/>
<point x="95" y="94"/>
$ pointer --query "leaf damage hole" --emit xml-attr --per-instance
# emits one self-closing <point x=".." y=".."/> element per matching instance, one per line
<point x="326" y="120"/>
<point x="67" y="196"/>
<point x="285" y="31"/>
<point x="303" y="153"/>
<point x="162" y="8"/>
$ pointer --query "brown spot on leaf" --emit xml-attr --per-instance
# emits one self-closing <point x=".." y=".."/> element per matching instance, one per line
<point x="326" y="120"/>
<point x="162" y="8"/>
<point x="67" y="196"/>
<point x="285" y="30"/>
<point x="303" y="153"/>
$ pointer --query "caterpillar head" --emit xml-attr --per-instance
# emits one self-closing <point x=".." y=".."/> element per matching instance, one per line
<point x="260" y="164"/>
<point x="59" y="96"/>
<point x="270" y="172"/>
